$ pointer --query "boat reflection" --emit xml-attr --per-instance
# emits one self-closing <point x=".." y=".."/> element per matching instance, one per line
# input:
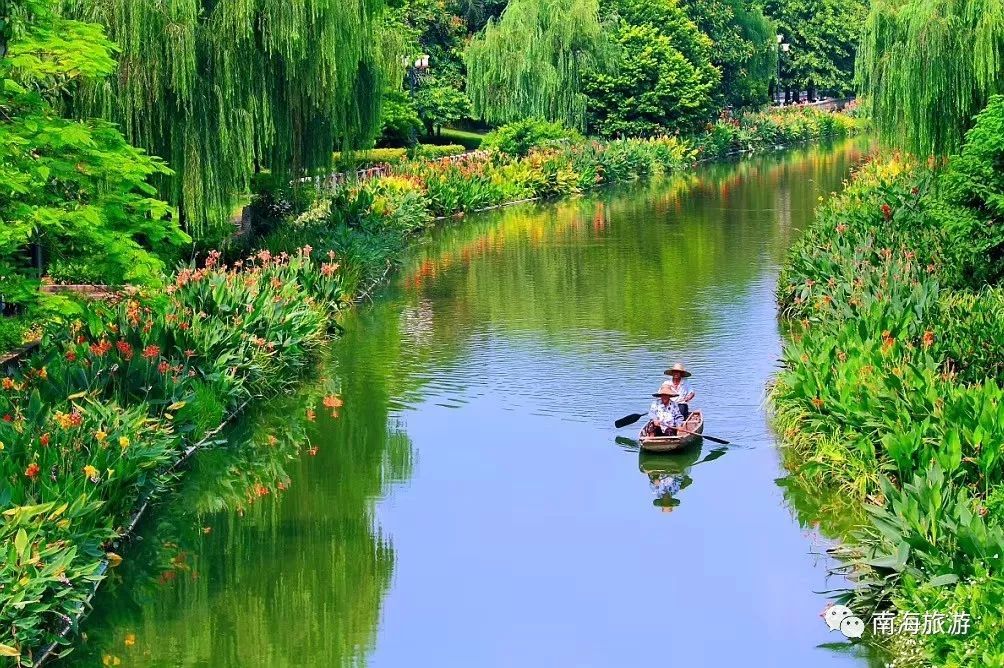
<point x="669" y="474"/>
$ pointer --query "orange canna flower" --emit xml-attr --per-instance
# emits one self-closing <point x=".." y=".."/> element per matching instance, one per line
<point x="333" y="401"/>
<point x="33" y="470"/>
<point x="818" y="403"/>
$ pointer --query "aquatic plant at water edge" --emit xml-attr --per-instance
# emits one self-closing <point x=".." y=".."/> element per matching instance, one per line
<point x="892" y="384"/>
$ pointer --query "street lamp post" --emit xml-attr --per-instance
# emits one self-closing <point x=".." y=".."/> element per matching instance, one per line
<point x="782" y="47"/>
<point x="415" y="71"/>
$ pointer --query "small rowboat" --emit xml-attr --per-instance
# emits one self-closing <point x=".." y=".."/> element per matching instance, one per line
<point x="694" y="425"/>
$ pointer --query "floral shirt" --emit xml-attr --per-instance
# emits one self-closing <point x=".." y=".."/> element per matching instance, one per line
<point x="668" y="414"/>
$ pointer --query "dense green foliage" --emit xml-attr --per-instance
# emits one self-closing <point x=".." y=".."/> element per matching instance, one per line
<point x="824" y="36"/>
<point x="399" y="119"/>
<point x="893" y="385"/>
<point x="744" y="48"/>
<point x="218" y="88"/>
<point x="661" y="79"/>
<point x="927" y="67"/>
<point x="74" y="191"/>
<point x="532" y="61"/>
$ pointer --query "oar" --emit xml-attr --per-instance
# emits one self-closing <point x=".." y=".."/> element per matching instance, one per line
<point x="713" y="439"/>
<point x="629" y="419"/>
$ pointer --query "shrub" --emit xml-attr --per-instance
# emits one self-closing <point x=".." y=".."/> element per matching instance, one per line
<point x="519" y="138"/>
<point x="434" y="151"/>
<point x="12" y="332"/>
<point x="274" y="200"/>
<point x="368" y="158"/>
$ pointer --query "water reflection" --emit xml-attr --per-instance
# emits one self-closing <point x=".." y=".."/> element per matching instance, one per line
<point x="669" y="474"/>
<point x="269" y="554"/>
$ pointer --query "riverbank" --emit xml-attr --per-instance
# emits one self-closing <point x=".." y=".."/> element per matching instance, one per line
<point x="97" y="419"/>
<point x="892" y="391"/>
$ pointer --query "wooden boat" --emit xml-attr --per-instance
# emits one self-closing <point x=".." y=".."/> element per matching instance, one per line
<point x="694" y="425"/>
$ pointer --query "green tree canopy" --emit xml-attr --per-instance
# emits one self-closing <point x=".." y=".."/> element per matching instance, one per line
<point x="440" y="105"/>
<point x="662" y="79"/>
<point x="823" y="35"/>
<point x="217" y="88"/>
<point x="532" y="61"/>
<point x="927" y="67"/>
<point x="74" y="189"/>
<point x="744" y="48"/>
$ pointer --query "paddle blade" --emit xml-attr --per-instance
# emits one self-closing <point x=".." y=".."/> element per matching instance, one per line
<point x="628" y="419"/>
<point x="715" y="439"/>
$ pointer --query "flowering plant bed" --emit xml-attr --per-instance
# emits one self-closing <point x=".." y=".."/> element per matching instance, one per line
<point x="95" y="420"/>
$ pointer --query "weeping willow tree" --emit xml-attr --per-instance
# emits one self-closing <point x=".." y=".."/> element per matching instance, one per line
<point x="221" y="88"/>
<point x="531" y="61"/>
<point x="927" y="67"/>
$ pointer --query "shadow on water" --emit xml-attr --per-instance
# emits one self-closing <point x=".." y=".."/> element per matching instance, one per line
<point x="465" y="507"/>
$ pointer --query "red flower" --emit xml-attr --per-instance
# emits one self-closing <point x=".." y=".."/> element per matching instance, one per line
<point x="151" y="352"/>
<point x="76" y="419"/>
<point x="33" y="470"/>
<point x="887" y="211"/>
<point x="71" y="356"/>
<point x="44" y="440"/>
<point x="164" y="367"/>
<point x="8" y="418"/>
<point x="124" y="349"/>
<point x="101" y="349"/>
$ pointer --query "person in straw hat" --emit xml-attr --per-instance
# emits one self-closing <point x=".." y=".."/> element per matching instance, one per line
<point x="664" y="414"/>
<point x="678" y="372"/>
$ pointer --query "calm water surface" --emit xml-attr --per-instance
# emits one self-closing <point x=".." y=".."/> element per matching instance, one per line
<point x="470" y="505"/>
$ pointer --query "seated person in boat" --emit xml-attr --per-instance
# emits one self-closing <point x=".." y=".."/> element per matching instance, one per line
<point x="682" y="387"/>
<point x="664" y="414"/>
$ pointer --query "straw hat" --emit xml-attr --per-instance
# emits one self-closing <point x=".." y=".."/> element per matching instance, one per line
<point x="666" y="388"/>
<point x="678" y="367"/>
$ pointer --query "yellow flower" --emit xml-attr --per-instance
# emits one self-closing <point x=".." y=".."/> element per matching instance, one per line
<point x="42" y="373"/>
<point x="113" y="559"/>
<point x="130" y="640"/>
<point x="100" y="436"/>
<point x="90" y="471"/>
<point x="1" y="445"/>
<point x="124" y="442"/>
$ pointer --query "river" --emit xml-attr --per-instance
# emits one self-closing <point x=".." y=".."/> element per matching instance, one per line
<point x="471" y="504"/>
